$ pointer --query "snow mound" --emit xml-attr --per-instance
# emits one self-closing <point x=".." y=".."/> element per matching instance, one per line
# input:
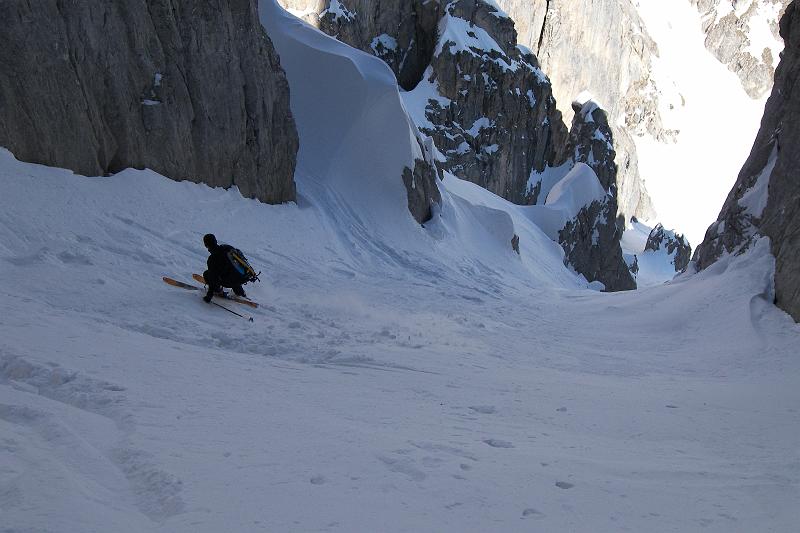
<point x="576" y="190"/>
<point x="355" y="135"/>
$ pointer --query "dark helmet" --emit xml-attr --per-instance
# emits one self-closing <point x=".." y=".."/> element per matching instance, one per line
<point x="210" y="240"/>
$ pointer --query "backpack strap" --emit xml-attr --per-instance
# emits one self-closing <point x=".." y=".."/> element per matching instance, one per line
<point x="240" y="264"/>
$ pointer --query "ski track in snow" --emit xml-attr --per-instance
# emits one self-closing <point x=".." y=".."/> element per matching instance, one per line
<point x="373" y="392"/>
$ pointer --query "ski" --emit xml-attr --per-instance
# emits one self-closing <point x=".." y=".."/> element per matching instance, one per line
<point x="182" y="285"/>
<point x="200" y="279"/>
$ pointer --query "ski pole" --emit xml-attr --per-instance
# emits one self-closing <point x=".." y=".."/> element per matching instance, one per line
<point x="231" y="311"/>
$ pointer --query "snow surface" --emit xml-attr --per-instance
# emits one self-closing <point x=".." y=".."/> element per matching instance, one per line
<point x="383" y="40"/>
<point x="396" y="378"/>
<point x="755" y="199"/>
<point x="377" y="390"/>
<point x="718" y="122"/>
<point x="760" y="31"/>
<point x="338" y="10"/>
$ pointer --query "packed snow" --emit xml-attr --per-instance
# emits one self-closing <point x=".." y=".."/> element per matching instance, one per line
<point x="458" y="35"/>
<point x="395" y="378"/>
<point x="379" y="388"/>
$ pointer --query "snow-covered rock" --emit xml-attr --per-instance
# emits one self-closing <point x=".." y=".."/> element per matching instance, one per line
<point x="602" y="47"/>
<point x="489" y="110"/>
<point x="592" y="239"/>
<point x="743" y="35"/>
<point x="765" y="201"/>
<point x="654" y="253"/>
<point x="673" y="244"/>
<point x="99" y="87"/>
<point x="482" y="98"/>
<point x="496" y="121"/>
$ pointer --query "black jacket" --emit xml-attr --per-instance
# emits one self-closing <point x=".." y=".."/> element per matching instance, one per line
<point x="220" y="269"/>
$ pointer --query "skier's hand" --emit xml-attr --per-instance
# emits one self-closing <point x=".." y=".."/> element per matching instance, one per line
<point x="207" y="298"/>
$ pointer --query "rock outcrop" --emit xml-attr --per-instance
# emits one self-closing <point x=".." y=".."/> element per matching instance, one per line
<point x="591" y="240"/>
<point x="674" y="244"/>
<point x="604" y="48"/>
<point x="193" y="90"/>
<point x="495" y="119"/>
<point x="765" y="201"/>
<point x="734" y="34"/>
<point x="422" y="189"/>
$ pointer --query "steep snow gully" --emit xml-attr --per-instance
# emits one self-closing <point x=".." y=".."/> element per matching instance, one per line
<point x="396" y="377"/>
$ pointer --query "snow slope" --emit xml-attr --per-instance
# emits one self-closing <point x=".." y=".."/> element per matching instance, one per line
<point x="376" y="390"/>
<point x="396" y="378"/>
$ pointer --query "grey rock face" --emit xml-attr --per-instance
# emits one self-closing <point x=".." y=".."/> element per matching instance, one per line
<point x="501" y="122"/>
<point x="728" y="26"/>
<point x="192" y="89"/>
<point x="402" y="33"/>
<point x="603" y="48"/>
<point x="591" y="240"/>
<point x="592" y="142"/>
<point x="592" y="247"/>
<point x="675" y="245"/>
<point x="422" y="190"/>
<point x="766" y="197"/>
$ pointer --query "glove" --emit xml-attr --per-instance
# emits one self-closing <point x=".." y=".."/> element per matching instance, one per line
<point x="207" y="298"/>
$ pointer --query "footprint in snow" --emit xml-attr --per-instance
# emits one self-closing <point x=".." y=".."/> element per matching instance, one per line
<point x="318" y="480"/>
<point x="497" y="443"/>
<point x="530" y="512"/>
<point x="484" y="409"/>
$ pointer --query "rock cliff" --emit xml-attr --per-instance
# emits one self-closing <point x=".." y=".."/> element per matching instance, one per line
<point x="738" y="34"/>
<point x="591" y="240"/>
<point x="193" y="90"/>
<point x="603" y="48"/>
<point x="765" y="201"/>
<point x="495" y="119"/>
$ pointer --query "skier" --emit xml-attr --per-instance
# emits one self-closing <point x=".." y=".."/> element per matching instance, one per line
<point x="222" y="272"/>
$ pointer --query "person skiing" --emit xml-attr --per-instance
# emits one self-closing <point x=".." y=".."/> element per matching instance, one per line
<point x="222" y="272"/>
